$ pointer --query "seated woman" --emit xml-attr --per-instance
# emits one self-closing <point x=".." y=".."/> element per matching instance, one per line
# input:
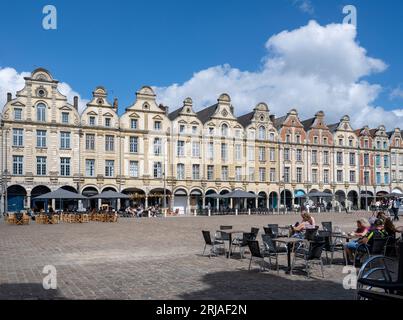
<point x="351" y="247"/>
<point x="389" y="228"/>
<point x="308" y="222"/>
<point x="362" y="228"/>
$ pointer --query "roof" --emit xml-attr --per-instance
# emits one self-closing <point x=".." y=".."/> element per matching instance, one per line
<point x="205" y="114"/>
<point x="333" y="127"/>
<point x="174" y="114"/>
<point x="246" y="119"/>
<point x="308" y="123"/>
<point x="278" y="122"/>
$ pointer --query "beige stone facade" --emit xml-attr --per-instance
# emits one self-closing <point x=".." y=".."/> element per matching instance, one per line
<point x="47" y="144"/>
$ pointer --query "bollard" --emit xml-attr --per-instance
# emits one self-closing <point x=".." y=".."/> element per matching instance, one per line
<point x="165" y="213"/>
<point x="209" y="212"/>
<point x="248" y="212"/>
<point x="236" y="212"/>
<point x="195" y="211"/>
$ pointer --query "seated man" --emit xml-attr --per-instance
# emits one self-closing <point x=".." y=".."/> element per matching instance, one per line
<point x="377" y="232"/>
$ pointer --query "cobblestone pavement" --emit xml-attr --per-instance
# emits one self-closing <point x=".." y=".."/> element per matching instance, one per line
<point x="156" y="258"/>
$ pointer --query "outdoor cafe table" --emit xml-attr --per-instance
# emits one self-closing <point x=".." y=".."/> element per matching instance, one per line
<point x="230" y="233"/>
<point x="290" y="242"/>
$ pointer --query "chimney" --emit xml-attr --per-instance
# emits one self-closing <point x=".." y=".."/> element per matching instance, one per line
<point x="9" y="96"/>
<point x="115" y="104"/>
<point x="272" y="118"/>
<point x="75" y="103"/>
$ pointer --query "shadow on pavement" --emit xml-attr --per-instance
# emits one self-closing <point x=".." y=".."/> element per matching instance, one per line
<point x="28" y="291"/>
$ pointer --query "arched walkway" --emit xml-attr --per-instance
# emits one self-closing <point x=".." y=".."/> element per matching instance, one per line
<point x="16" y="196"/>
<point x="38" y="204"/>
<point x="352" y="196"/>
<point x="286" y="198"/>
<point x="180" y="201"/>
<point x="211" y="203"/>
<point x="262" y="200"/>
<point x="224" y="203"/>
<point x="156" y="197"/>
<point x="137" y="197"/>
<point x="196" y="199"/>
<point x="273" y="200"/>
<point x="366" y="198"/>
<point x="90" y="203"/>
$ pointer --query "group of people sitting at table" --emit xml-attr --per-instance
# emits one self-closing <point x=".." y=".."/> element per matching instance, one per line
<point x="139" y="211"/>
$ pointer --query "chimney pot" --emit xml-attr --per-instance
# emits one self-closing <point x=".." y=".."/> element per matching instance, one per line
<point x="75" y="102"/>
<point x="9" y="96"/>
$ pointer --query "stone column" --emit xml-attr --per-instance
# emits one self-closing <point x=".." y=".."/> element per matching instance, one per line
<point x="187" y="211"/>
<point x="146" y="202"/>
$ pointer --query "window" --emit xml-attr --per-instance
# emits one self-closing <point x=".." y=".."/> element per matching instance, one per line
<point x="326" y="176"/>
<point x="262" y="133"/>
<point x="393" y="158"/>
<point x="366" y="177"/>
<point x="65" y="167"/>
<point x="133" y="123"/>
<point x="299" y="175"/>
<point x="340" y="142"/>
<point x="286" y="175"/>
<point x="109" y="143"/>
<point x="288" y="138"/>
<point x="210" y="173"/>
<point x="366" y="144"/>
<point x="272" y="174"/>
<point x="378" y="178"/>
<point x="315" y="140"/>
<point x="18" y="165"/>
<point x="326" y="157"/>
<point x="89" y="141"/>
<point x="386" y="161"/>
<point x="180" y="148"/>
<point x="272" y="154"/>
<point x="394" y="177"/>
<point x="41" y="166"/>
<point x="350" y="142"/>
<point x="224" y="152"/>
<point x="298" y="138"/>
<point x="194" y="129"/>
<point x="41" y="138"/>
<point x="64" y="140"/>
<point x="314" y="156"/>
<point x="157" y="170"/>
<point x="251" y="153"/>
<point x="314" y="175"/>
<point x="211" y="131"/>
<point x="65" y="117"/>
<point x="238" y="152"/>
<point x="157" y="146"/>
<point x="366" y="159"/>
<point x="18" y="137"/>
<point x="378" y="160"/>
<point x="17" y="114"/>
<point x="262" y="154"/>
<point x="299" y="154"/>
<point x="252" y="174"/>
<point x="339" y="176"/>
<point x="180" y="171"/>
<point x="352" y="176"/>
<point x="271" y="136"/>
<point x="224" y="173"/>
<point x="92" y="121"/>
<point x="133" y="169"/>
<point x="352" y="159"/>
<point x="325" y="141"/>
<point x="182" y="128"/>
<point x="41" y="112"/>
<point x="237" y="133"/>
<point x="157" y="125"/>
<point x="224" y="130"/>
<point x="385" y="145"/>
<point x="107" y="122"/>
<point x="252" y="134"/>
<point x="196" y="149"/>
<point x="109" y="168"/>
<point x="378" y="144"/>
<point x="286" y="154"/>
<point x="133" y="144"/>
<point x="262" y="174"/>
<point x="238" y="173"/>
<point x="386" y="178"/>
<point x="339" y="158"/>
<point x="196" y="172"/>
<point x="90" y="167"/>
<point x="210" y="150"/>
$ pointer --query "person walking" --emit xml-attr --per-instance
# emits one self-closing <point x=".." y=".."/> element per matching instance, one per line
<point x="395" y="209"/>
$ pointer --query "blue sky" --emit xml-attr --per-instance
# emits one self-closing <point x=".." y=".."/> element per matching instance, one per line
<point x="123" y="45"/>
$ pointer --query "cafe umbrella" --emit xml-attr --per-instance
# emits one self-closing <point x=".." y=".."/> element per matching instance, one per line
<point x="110" y="195"/>
<point x="61" y="194"/>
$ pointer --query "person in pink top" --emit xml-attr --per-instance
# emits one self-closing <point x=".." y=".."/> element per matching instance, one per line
<point x="362" y="228"/>
<point x="308" y="222"/>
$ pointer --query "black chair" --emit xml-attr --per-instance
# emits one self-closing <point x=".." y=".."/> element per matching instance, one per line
<point x="209" y="242"/>
<point x="310" y="234"/>
<point x="331" y="245"/>
<point x="275" y="230"/>
<point x="310" y="255"/>
<point x="365" y="251"/>
<point x="272" y="250"/>
<point x="256" y="254"/>
<point x="222" y="236"/>
<point x="327" y="226"/>
<point x="255" y="231"/>
<point x="243" y="242"/>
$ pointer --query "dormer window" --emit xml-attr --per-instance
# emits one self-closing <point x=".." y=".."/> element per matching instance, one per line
<point x="237" y="133"/>
<point x="340" y="142"/>
<point x="378" y="144"/>
<point x="133" y="123"/>
<point x="194" y="129"/>
<point x="325" y="140"/>
<point x="315" y="140"/>
<point x="366" y="144"/>
<point x="350" y="142"/>
<point x="298" y="138"/>
<point x="157" y="125"/>
<point x="210" y="131"/>
<point x="182" y="128"/>
<point x="224" y="130"/>
<point x="397" y="142"/>
<point x="262" y="133"/>
<point x="107" y="122"/>
<point x="17" y="114"/>
<point x="91" y="121"/>
<point x="65" y="117"/>
<point x="271" y="136"/>
<point x="385" y="145"/>
<point x="41" y="112"/>
<point x="288" y="138"/>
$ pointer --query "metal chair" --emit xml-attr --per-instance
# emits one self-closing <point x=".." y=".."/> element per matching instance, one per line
<point x="272" y="250"/>
<point x="310" y="255"/>
<point x="365" y="251"/>
<point x="256" y="254"/>
<point x="255" y="231"/>
<point x="331" y="245"/>
<point x="209" y="242"/>
<point x="327" y="226"/>
<point x="243" y="243"/>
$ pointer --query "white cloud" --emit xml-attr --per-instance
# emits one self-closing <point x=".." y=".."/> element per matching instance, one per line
<point x="397" y="93"/>
<point x="311" y="68"/>
<point x="12" y="81"/>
